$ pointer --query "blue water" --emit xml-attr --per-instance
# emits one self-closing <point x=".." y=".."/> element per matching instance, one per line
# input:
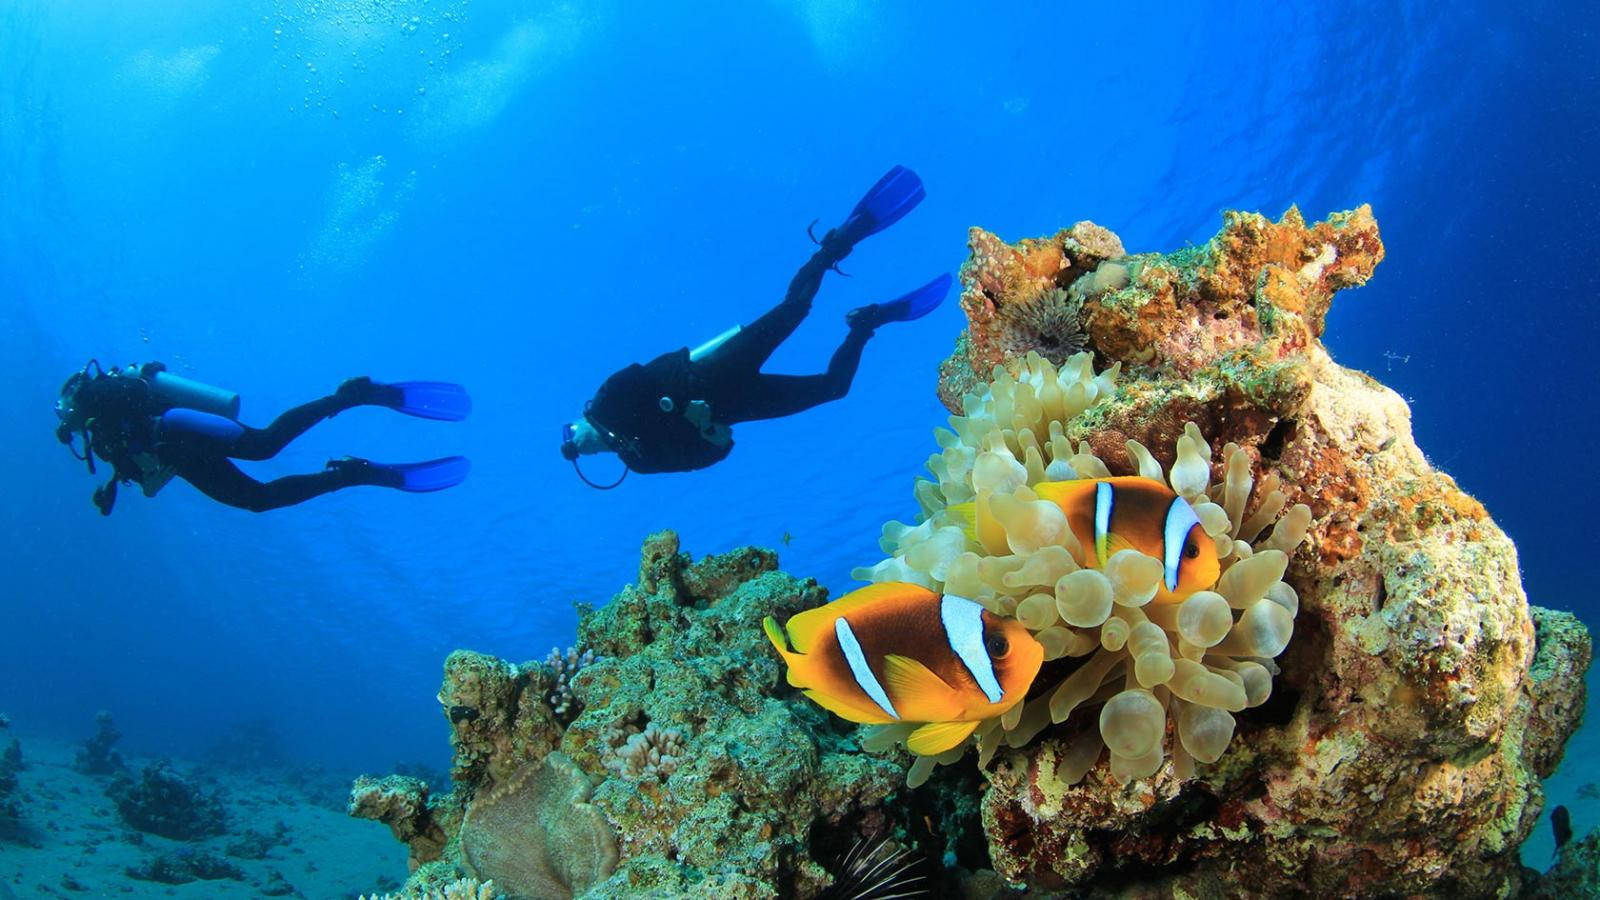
<point x="526" y="197"/>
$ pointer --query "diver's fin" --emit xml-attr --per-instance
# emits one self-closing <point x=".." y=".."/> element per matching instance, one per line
<point x="896" y="193"/>
<point x="911" y="306"/>
<point x="421" y="477"/>
<point x="917" y="692"/>
<point x="439" y="400"/>
<point x="935" y="738"/>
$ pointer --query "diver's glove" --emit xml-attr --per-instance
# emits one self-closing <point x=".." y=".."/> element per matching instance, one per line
<point x="105" y="497"/>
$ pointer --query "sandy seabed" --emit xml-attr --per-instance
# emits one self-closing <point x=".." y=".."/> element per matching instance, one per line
<point x="73" y="843"/>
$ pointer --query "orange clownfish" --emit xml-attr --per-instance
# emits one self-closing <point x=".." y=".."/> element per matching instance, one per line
<point x="1111" y="514"/>
<point x="896" y="652"/>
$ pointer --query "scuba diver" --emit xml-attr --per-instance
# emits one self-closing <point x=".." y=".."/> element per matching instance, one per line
<point x="674" y="413"/>
<point x="151" y="425"/>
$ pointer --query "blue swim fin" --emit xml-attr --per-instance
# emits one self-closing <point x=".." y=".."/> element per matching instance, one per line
<point x="421" y="477"/>
<point x="914" y="305"/>
<point x="439" y="400"/>
<point x="895" y="194"/>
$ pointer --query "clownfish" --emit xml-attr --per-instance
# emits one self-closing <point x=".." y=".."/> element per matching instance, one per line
<point x="1112" y="514"/>
<point x="894" y="652"/>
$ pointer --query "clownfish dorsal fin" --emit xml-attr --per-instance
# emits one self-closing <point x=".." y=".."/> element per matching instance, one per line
<point x="935" y="738"/>
<point x="804" y="628"/>
<point x="1057" y="491"/>
<point x="912" y="685"/>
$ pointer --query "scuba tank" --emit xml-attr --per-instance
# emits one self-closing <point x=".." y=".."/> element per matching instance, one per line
<point x="190" y="394"/>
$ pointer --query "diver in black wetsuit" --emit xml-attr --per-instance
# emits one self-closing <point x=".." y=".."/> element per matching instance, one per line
<point x="151" y="425"/>
<point x="673" y="414"/>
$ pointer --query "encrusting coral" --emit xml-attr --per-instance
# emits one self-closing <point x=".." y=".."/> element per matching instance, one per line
<point x="459" y="889"/>
<point x="1416" y="708"/>
<point x="711" y="785"/>
<point x="408" y="807"/>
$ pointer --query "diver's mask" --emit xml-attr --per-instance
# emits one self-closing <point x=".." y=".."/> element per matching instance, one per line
<point x="71" y="418"/>
<point x="569" y="443"/>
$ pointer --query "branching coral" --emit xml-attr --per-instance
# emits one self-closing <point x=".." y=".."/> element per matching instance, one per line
<point x="1147" y="654"/>
<point x="460" y="889"/>
<point x="652" y="753"/>
<point x="563" y="668"/>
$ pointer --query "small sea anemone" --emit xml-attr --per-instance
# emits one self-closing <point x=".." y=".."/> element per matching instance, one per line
<point x="1146" y="655"/>
<point x="1050" y="322"/>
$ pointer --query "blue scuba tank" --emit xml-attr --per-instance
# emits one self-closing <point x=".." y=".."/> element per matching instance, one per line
<point x="190" y="394"/>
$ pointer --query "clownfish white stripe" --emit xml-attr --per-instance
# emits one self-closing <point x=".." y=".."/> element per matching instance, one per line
<point x="859" y="668"/>
<point x="1102" y="518"/>
<point x="963" y="630"/>
<point x="1180" y="518"/>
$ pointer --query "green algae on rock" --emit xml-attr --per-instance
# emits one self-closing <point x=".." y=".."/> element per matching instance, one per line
<point x="712" y="784"/>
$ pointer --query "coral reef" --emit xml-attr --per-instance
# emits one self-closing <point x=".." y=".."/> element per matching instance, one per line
<point x="10" y="802"/>
<point x="256" y="844"/>
<point x="1575" y="874"/>
<point x="459" y="889"/>
<point x="406" y="804"/>
<point x="165" y="803"/>
<point x="1028" y="297"/>
<point x="1196" y="650"/>
<point x="708" y="783"/>
<point x="637" y="754"/>
<point x="98" y="756"/>
<point x="537" y="835"/>
<point x="1418" y="704"/>
<point x="563" y="667"/>
<point x="186" y="865"/>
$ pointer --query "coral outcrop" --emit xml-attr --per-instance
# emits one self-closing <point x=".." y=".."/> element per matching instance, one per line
<point x="684" y="754"/>
<point x="1417" y="706"/>
<point x="1575" y="874"/>
<point x="10" y="799"/>
<point x="417" y="817"/>
<point x="165" y="803"/>
<point x="98" y="755"/>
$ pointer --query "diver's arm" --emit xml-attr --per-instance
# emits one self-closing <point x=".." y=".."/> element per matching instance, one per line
<point x="105" y="496"/>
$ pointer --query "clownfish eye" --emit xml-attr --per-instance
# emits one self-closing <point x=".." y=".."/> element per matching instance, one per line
<point x="996" y="644"/>
<point x="1191" y="550"/>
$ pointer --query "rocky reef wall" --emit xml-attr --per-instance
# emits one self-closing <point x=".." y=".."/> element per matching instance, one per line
<point x="679" y="767"/>
<point x="1421" y="699"/>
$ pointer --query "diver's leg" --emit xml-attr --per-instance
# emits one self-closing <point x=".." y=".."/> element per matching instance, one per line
<point x="775" y="396"/>
<point x="755" y="343"/>
<point x="222" y="481"/>
<point x="264" y="443"/>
